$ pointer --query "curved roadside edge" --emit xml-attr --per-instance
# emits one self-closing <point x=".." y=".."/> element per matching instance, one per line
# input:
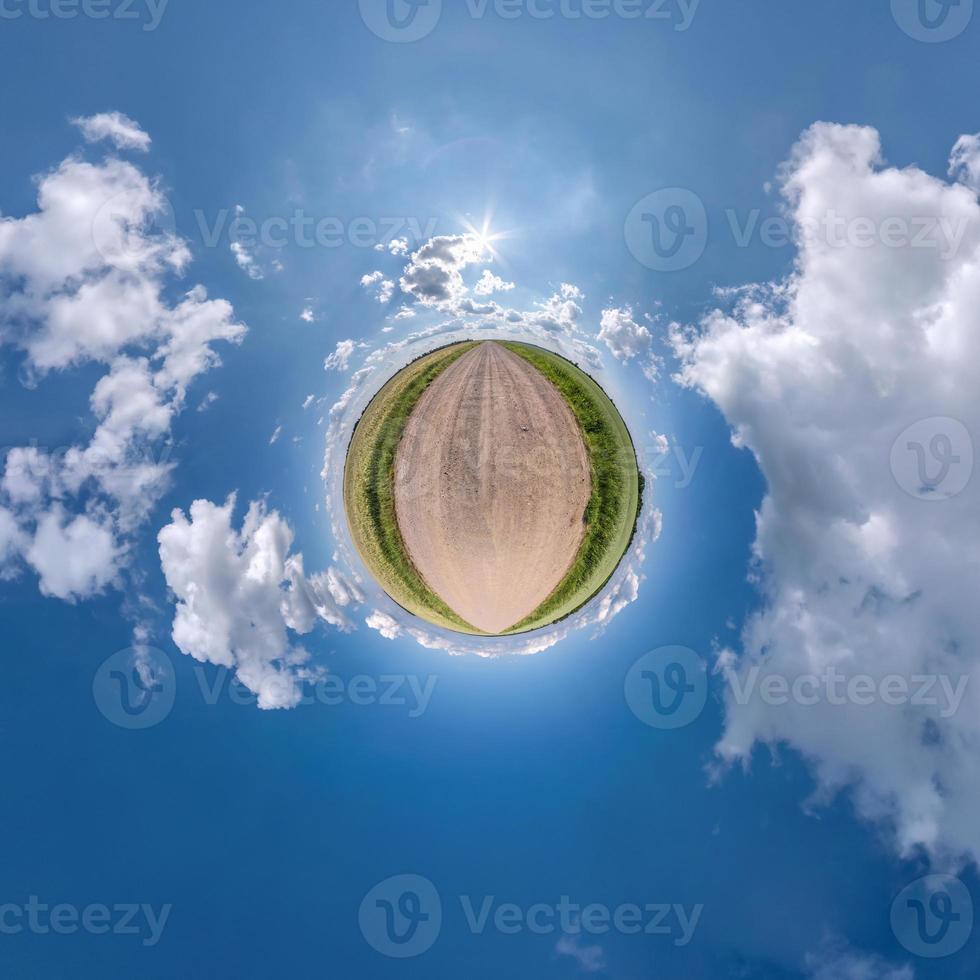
<point x="369" y="488"/>
<point x="617" y="487"/>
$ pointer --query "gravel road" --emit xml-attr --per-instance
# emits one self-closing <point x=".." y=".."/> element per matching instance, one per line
<point x="491" y="484"/>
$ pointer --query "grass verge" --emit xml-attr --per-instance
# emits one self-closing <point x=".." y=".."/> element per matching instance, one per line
<point x="369" y="488"/>
<point x="617" y="487"/>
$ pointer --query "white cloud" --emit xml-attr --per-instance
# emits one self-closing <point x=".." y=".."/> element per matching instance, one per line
<point x="246" y="261"/>
<point x="560" y="313"/>
<point x="274" y="438"/>
<point x="384" y="288"/>
<point x="433" y="276"/>
<point x="836" y="962"/>
<point x="389" y="628"/>
<point x="489" y="284"/>
<point x="339" y="360"/>
<point x="397" y="246"/>
<point x="13" y="542"/>
<point x="344" y="591"/>
<point x="590" y="959"/>
<point x="307" y="315"/>
<point x="627" y="339"/>
<point x="118" y="129"/>
<point x="83" y="279"/>
<point x="75" y="558"/>
<point x="964" y="161"/>
<point x="240" y="594"/>
<point x="207" y="401"/>
<point x="818" y="376"/>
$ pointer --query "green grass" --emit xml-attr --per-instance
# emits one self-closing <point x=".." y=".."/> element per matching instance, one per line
<point x="369" y="488"/>
<point x="617" y="487"/>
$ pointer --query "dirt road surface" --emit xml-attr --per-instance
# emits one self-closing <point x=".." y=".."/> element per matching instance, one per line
<point x="491" y="484"/>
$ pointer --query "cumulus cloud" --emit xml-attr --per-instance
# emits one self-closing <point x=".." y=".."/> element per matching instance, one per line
<point x="489" y="284"/>
<point x="433" y="281"/>
<point x="590" y="959"/>
<point x="241" y="594"/>
<point x="819" y="376"/>
<point x="118" y="129"/>
<point x="627" y="339"/>
<point x="83" y="280"/>
<point x="73" y="557"/>
<point x="404" y="313"/>
<point x="339" y="360"/>
<point x="964" y="161"/>
<point x="835" y="962"/>
<point x="560" y="313"/>
<point x="246" y="261"/>
<point x="397" y="246"/>
<point x="386" y="625"/>
<point x="384" y="289"/>
<point x="244" y="253"/>
<point x="12" y="542"/>
<point x="433" y="276"/>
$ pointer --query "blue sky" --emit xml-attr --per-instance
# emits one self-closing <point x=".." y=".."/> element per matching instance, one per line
<point x="304" y="744"/>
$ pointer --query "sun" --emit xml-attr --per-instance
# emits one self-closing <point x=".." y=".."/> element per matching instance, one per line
<point x="485" y="236"/>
